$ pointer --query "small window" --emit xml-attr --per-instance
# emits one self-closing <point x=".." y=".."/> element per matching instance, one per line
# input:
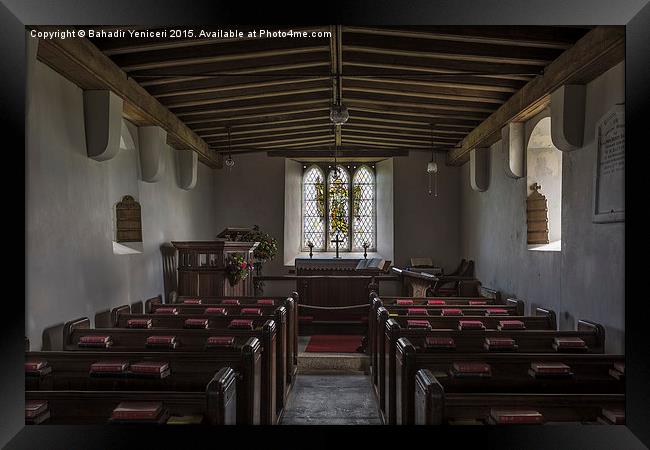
<point x="544" y="172"/>
<point x="129" y="220"/>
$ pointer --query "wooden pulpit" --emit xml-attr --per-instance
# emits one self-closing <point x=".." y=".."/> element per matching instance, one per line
<point x="202" y="268"/>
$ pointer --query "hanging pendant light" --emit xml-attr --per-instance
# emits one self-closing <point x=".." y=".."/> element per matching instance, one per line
<point x="432" y="168"/>
<point x="229" y="162"/>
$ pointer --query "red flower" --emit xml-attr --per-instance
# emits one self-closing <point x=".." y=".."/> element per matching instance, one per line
<point x="243" y="265"/>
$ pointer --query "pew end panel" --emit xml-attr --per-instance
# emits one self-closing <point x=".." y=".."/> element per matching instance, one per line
<point x="393" y="330"/>
<point x="404" y="381"/>
<point x="221" y="395"/>
<point x="552" y="317"/>
<point x="518" y="304"/>
<point x="115" y="312"/>
<point x="252" y="371"/>
<point x="82" y="323"/>
<point x="598" y="329"/>
<point x="151" y="301"/>
<point x="429" y="399"/>
<point x="491" y="293"/>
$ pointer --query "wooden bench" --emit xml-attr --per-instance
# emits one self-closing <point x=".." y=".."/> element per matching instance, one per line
<point x="121" y="317"/>
<point x="528" y="341"/>
<point x="433" y="406"/>
<point x="189" y="340"/>
<point x="508" y="372"/>
<point x="188" y="372"/>
<point x="217" y="404"/>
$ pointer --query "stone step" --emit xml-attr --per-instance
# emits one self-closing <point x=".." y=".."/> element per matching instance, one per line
<point x="338" y="362"/>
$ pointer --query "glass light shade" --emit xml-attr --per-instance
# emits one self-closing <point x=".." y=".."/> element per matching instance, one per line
<point x="432" y="167"/>
<point x="339" y="114"/>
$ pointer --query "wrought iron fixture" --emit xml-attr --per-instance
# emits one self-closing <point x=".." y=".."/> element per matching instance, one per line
<point x="229" y="162"/>
<point x="432" y="168"/>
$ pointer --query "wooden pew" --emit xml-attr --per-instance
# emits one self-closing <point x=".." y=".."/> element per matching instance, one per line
<point x="290" y="303"/>
<point x="435" y="407"/>
<point x="528" y="341"/>
<point x="189" y="340"/>
<point x="189" y="372"/>
<point x="217" y="404"/>
<point x="509" y="372"/>
<point x="382" y="313"/>
<point x="121" y="318"/>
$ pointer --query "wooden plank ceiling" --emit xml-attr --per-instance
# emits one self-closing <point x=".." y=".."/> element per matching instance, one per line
<point x="398" y="83"/>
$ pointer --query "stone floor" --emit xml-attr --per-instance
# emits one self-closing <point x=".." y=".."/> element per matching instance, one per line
<point x="332" y="398"/>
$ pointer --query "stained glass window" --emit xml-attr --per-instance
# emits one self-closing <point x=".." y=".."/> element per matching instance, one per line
<point x="339" y="207"/>
<point x="338" y="204"/>
<point x="363" y="205"/>
<point x="313" y="208"/>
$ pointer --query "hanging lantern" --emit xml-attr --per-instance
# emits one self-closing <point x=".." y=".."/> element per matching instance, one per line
<point x="432" y="169"/>
<point x="229" y="162"/>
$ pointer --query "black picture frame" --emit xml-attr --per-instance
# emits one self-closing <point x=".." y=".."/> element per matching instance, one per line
<point x="634" y="14"/>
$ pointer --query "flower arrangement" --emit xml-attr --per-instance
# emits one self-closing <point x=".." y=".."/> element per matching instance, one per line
<point x="237" y="268"/>
<point x="267" y="247"/>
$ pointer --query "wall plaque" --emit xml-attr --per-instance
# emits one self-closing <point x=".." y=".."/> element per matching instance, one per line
<point x="609" y="176"/>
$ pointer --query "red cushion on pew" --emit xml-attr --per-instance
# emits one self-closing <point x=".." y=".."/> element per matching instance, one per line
<point x="451" y="312"/>
<point x="470" y="325"/>
<point x="265" y="301"/>
<point x="439" y="342"/>
<point x="418" y="324"/>
<point x="166" y="310"/>
<point x="220" y="341"/>
<point x="138" y="323"/>
<point x="35" y="366"/>
<point x="305" y="318"/>
<point x="476" y="368"/>
<point x="150" y="368"/>
<point x="404" y="302"/>
<point x="436" y="302"/>
<point x="511" y="325"/>
<point x="251" y="311"/>
<point x="241" y="324"/>
<point x="499" y="344"/>
<point x="95" y="341"/>
<point x="109" y="367"/>
<point x="550" y="368"/>
<point x="161" y="341"/>
<point x="213" y="310"/>
<point x="230" y="301"/>
<point x="192" y="301"/>
<point x="196" y="323"/>
<point x="417" y="312"/>
<point x="478" y="302"/>
<point x="137" y="411"/>
<point x="571" y="343"/>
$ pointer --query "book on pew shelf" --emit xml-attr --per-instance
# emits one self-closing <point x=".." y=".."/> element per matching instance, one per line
<point x="549" y="369"/>
<point x="37" y="368"/>
<point x="108" y="367"/>
<point x="417" y="312"/>
<point x="219" y="311"/>
<point x="95" y="341"/>
<point x="423" y="324"/>
<point x="492" y="343"/>
<point x="157" y="369"/>
<point x="614" y="416"/>
<point x="35" y="407"/>
<point x="40" y="418"/>
<point x="620" y="367"/>
<point x="470" y="325"/>
<point x="166" y="310"/>
<point x="265" y="301"/>
<point x="439" y="342"/>
<point x="241" y="324"/>
<point x="477" y="302"/>
<point x="436" y="302"/>
<point x="196" y="323"/>
<point x="511" y="325"/>
<point x="220" y="341"/>
<point x="471" y="369"/>
<point x="139" y="323"/>
<point x="192" y="301"/>
<point x="185" y="420"/>
<point x="616" y="374"/>
<point x="569" y="343"/>
<point x="404" y="302"/>
<point x="496" y="312"/>
<point x="451" y="312"/>
<point x="514" y="416"/>
<point x="230" y="301"/>
<point x="251" y="311"/>
<point x="137" y="411"/>
<point x="162" y="342"/>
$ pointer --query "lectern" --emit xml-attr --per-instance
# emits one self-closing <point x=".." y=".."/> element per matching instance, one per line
<point x="202" y="268"/>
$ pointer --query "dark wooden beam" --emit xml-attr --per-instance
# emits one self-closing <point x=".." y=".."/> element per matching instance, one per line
<point x="599" y="50"/>
<point x="214" y="100"/>
<point x="82" y="63"/>
<point x="273" y="107"/>
<point x="342" y="153"/>
<point x="261" y="117"/>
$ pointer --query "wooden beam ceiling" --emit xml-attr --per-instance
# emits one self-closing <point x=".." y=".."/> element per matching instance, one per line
<point x="396" y="82"/>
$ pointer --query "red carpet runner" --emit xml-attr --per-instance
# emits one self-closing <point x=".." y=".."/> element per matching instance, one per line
<point x="322" y="343"/>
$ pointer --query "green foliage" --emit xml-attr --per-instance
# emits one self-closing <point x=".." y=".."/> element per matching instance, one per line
<point x="237" y="268"/>
<point x="268" y="245"/>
